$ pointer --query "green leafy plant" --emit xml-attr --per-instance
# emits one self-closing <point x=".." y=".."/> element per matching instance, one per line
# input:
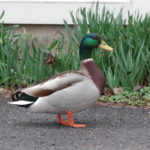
<point x="129" y="64"/>
<point x="22" y="58"/>
<point x="136" y="98"/>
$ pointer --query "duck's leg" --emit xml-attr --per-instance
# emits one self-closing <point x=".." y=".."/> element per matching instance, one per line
<point x="70" y="121"/>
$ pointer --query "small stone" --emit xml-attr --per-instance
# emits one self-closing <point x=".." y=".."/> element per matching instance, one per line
<point x="117" y="90"/>
<point x="138" y="87"/>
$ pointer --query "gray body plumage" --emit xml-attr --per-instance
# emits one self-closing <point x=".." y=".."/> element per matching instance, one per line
<point x="75" y="98"/>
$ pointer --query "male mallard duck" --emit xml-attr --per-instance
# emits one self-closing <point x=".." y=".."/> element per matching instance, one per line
<point x="70" y="91"/>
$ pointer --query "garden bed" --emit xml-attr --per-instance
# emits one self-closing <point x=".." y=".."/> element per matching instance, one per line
<point x="22" y="58"/>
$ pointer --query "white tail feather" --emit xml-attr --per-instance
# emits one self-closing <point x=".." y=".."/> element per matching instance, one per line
<point x="21" y="103"/>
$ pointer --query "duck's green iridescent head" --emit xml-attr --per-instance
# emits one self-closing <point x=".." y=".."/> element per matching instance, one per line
<point x="89" y="42"/>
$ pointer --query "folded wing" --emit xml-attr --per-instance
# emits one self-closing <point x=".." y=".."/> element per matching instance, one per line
<point x="54" y="84"/>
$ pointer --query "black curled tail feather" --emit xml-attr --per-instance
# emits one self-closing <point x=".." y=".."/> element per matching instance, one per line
<point x="23" y="96"/>
<point x="16" y="96"/>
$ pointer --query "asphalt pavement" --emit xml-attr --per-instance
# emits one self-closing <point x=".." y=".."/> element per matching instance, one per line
<point x="108" y="128"/>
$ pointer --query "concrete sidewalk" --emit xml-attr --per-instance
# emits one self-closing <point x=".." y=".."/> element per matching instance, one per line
<point x="108" y="128"/>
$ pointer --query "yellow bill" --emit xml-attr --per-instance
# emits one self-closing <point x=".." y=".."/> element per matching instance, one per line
<point x="106" y="47"/>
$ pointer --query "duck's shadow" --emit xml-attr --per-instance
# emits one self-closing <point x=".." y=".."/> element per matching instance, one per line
<point x="30" y="124"/>
<point x="91" y="119"/>
<point x="51" y="124"/>
<point x="105" y="122"/>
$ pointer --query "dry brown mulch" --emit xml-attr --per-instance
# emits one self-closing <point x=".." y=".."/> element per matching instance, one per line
<point x="5" y="94"/>
<point x="119" y="105"/>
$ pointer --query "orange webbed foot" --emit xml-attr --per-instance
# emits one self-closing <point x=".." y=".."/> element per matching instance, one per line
<point x="70" y="121"/>
<point x="78" y="125"/>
